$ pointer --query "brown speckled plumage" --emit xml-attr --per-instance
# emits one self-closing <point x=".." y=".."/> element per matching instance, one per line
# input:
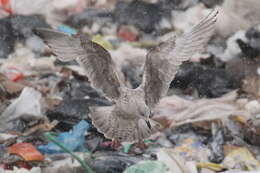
<point x="128" y="119"/>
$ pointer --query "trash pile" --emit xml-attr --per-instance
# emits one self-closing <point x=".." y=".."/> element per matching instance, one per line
<point x="211" y="114"/>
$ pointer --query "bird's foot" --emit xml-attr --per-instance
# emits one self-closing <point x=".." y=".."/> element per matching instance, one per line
<point x="142" y="145"/>
<point x="115" y="144"/>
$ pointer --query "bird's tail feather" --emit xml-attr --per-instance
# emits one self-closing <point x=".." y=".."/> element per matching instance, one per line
<point x="123" y="130"/>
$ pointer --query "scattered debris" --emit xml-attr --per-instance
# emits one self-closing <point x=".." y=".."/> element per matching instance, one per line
<point x="147" y="167"/>
<point x="241" y="158"/>
<point x="210" y="116"/>
<point x="73" y="140"/>
<point x="28" y="105"/>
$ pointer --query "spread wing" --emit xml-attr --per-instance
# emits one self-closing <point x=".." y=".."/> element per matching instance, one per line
<point x="96" y="61"/>
<point x="162" y="62"/>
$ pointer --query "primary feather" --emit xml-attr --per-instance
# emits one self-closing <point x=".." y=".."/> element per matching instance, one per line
<point x="95" y="60"/>
<point x="162" y="62"/>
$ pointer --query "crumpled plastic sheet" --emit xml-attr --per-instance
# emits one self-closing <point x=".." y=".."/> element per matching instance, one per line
<point x="73" y="140"/>
<point x="27" y="104"/>
<point x="184" y="111"/>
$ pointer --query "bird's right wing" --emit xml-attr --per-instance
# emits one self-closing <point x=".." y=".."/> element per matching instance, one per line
<point x="95" y="60"/>
<point x="162" y="62"/>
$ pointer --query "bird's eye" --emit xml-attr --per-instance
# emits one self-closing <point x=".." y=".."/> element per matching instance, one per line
<point x="150" y="113"/>
<point x="142" y="113"/>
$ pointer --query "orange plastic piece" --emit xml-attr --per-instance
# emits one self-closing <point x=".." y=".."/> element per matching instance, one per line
<point x="27" y="151"/>
<point x="6" y="6"/>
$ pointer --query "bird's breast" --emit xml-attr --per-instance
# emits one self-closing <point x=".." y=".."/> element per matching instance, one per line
<point x="124" y="113"/>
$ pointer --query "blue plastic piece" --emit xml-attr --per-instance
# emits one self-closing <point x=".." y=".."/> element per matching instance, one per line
<point x="73" y="140"/>
<point x="66" y="29"/>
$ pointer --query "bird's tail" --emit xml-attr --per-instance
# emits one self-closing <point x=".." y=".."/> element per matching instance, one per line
<point x="123" y="130"/>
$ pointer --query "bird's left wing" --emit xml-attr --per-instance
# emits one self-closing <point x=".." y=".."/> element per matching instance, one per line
<point x="163" y="61"/>
<point x="95" y="60"/>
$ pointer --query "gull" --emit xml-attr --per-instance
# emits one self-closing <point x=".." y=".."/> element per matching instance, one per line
<point x="129" y="119"/>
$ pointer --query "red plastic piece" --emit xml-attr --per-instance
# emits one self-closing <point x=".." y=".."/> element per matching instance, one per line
<point x="14" y="74"/>
<point x="27" y="151"/>
<point x="126" y="34"/>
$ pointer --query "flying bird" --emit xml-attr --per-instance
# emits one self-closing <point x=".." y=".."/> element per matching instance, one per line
<point x="129" y="119"/>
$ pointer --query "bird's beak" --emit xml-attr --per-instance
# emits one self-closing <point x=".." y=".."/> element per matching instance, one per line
<point x="148" y="124"/>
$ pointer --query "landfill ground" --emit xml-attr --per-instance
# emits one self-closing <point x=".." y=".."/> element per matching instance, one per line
<point x="210" y="116"/>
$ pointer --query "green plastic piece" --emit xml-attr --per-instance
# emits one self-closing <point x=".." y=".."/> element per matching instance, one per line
<point x="147" y="167"/>
<point x="83" y="164"/>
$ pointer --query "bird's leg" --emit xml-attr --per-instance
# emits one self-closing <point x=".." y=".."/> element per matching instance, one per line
<point x="140" y="142"/>
<point x="141" y="145"/>
<point x="115" y="143"/>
